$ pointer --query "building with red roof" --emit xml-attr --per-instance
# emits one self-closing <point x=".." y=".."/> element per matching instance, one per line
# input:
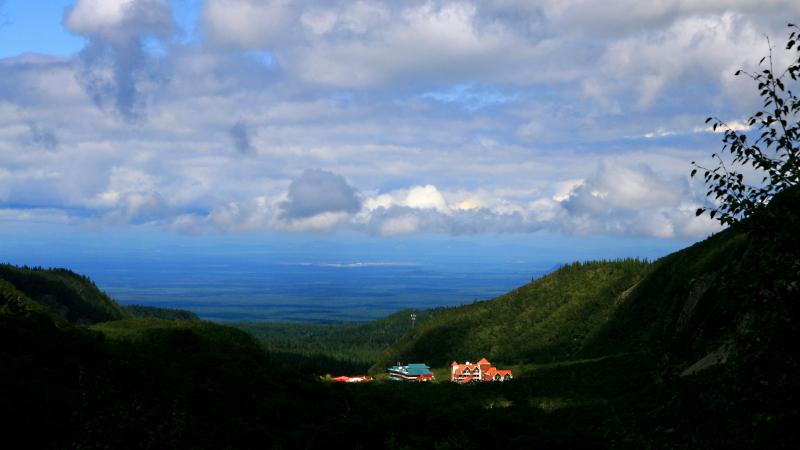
<point x="356" y="379"/>
<point x="477" y="372"/>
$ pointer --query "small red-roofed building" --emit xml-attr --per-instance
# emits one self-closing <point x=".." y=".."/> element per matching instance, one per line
<point x="357" y="379"/>
<point x="477" y="372"/>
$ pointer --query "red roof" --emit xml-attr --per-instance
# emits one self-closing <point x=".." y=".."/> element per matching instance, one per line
<point x="464" y="373"/>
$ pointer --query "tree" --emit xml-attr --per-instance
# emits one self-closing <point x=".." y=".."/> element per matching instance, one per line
<point x="772" y="149"/>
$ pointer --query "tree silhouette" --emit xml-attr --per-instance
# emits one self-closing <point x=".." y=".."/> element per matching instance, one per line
<point x="771" y="149"/>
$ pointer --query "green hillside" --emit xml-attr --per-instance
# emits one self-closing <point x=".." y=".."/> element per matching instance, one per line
<point x="550" y="319"/>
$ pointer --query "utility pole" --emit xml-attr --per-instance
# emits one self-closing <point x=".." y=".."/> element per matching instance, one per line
<point x="413" y="319"/>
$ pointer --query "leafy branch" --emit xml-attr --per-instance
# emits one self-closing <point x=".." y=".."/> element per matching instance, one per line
<point x="774" y="154"/>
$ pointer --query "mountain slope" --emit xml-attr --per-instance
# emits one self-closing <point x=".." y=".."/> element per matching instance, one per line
<point x="730" y="294"/>
<point x="549" y="319"/>
<point x="74" y="297"/>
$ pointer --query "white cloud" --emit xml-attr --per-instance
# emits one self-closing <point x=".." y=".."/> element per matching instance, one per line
<point x="622" y="199"/>
<point x="428" y="116"/>
<point x="131" y="197"/>
<point x="425" y="197"/>
<point x="247" y="24"/>
<point x="417" y="197"/>
<point x="95" y="16"/>
<point x="360" y="44"/>
<point x="695" y="48"/>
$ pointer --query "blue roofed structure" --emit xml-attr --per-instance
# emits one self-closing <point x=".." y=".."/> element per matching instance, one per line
<point x="410" y="372"/>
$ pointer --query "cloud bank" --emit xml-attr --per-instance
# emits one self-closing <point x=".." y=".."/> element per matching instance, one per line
<point x="386" y="118"/>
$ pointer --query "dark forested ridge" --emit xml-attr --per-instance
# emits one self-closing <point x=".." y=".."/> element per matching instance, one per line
<point x="695" y="350"/>
<point x="73" y="296"/>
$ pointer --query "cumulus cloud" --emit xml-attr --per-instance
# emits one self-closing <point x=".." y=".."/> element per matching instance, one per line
<point x="116" y="68"/>
<point x="416" y="197"/>
<point x="426" y="209"/>
<point x="131" y="196"/>
<point x="270" y="213"/>
<point x="616" y="199"/>
<point x="633" y="200"/>
<point x="318" y="191"/>
<point x="399" y="220"/>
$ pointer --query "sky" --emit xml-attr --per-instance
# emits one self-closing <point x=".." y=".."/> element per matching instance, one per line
<point x="368" y="122"/>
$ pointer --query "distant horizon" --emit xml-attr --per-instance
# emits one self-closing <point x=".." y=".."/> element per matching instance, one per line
<point x="329" y="278"/>
<point x="480" y="136"/>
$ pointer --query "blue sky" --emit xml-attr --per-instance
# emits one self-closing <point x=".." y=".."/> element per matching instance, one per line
<point x="34" y="26"/>
<point x="369" y="123"/>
